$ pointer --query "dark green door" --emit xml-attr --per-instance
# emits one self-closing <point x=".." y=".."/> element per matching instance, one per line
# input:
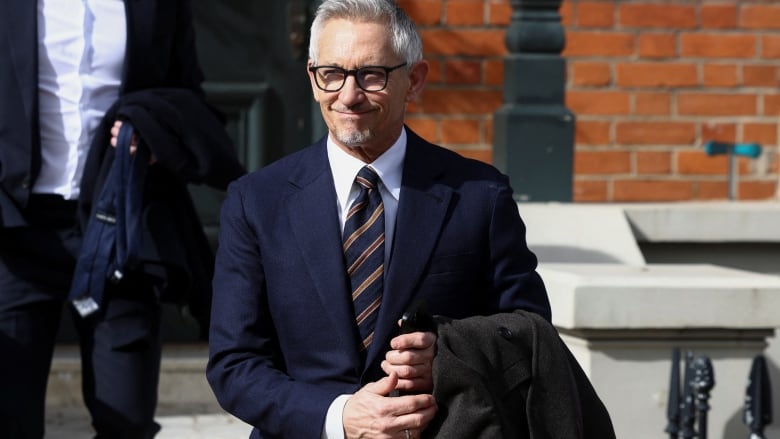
<point x="254" y="56"/>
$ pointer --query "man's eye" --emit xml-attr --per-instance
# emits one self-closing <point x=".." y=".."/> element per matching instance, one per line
<point x="331" y="74"/>
<point x="372" y="75"/>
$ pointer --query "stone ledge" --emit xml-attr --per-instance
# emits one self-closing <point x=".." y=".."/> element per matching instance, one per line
<point x="660" y="296"/>
<point x="705" y="221"/>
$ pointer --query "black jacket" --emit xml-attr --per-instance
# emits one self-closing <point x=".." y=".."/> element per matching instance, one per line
<point x="511" y="376"/>
<point x="189" y="145"/>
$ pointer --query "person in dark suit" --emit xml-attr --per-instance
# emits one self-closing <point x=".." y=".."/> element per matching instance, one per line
<point x="64" y="64"/>
<point x="289" y="350"/>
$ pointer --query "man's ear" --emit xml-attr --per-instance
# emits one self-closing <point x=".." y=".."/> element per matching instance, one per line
<point x="314" y="89"/>
<point x="418" y="74"/>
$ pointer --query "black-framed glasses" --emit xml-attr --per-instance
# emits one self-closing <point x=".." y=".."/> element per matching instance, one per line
<point x="368" y="78"/>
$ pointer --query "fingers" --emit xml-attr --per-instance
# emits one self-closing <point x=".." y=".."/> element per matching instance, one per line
<point x="369" y="414"/>
<point x="413" y="340"/>
<point x="133" y="141"/>
<point x="383" y="386"/>
<point x="115" y="132"/>
<point x="411" y="359"/>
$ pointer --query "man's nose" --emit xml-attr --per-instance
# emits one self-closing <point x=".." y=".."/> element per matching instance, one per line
<point x="351" y="92"/>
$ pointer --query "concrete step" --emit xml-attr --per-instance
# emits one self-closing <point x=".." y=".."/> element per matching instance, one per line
<point x="187" y="408"/>
<point x="182" y="378"/>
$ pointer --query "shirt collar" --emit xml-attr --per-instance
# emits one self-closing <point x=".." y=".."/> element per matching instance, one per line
<point x="389" y="167"/>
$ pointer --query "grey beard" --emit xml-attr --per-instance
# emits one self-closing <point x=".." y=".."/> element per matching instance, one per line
<point x="354" y="139"/>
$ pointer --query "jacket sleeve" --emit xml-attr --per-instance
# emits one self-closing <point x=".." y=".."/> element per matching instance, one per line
<point x="515" y="279"/>
<point x="246" y="367"/>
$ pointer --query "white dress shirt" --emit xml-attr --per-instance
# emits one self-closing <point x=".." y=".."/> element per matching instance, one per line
<point x="81" y="52"/>
<point x="344" y="167"/>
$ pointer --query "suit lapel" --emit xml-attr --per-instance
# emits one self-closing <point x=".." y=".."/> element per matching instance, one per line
<point x="421" y="211"/>
<point x="313" y="216"/>
<point x="20" y="24"/>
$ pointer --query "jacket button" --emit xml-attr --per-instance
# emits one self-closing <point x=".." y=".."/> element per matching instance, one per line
<point x="26" y="182"/>
<point x="505" y="332"/>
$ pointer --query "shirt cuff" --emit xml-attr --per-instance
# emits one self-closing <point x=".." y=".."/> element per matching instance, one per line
<point x="334" y="427"/>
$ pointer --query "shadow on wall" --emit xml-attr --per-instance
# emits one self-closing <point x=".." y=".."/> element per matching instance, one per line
<point x="735" y="426"/>
<point x="564" y="253"/>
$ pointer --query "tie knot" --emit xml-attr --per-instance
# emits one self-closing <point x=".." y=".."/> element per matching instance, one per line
<point x="367" y="178"/>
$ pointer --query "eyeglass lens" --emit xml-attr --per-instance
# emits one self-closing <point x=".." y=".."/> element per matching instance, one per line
<point x="368" y="78"/>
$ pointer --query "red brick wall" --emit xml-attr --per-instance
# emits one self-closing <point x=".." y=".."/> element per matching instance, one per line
<point x="649" y="81"/>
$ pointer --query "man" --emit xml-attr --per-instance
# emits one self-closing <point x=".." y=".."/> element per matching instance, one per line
<point x="65" y="64"/>
<point x="289" y="353"/>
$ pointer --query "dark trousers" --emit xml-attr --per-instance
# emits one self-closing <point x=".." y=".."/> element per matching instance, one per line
<point x="120" y="344"/>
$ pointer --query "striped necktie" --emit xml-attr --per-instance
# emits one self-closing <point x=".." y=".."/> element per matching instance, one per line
<point x="364" y="251"/>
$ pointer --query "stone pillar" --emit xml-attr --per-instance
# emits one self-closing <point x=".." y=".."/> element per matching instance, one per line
<point x="621" y="323"/>
<point x="534" y="131"/>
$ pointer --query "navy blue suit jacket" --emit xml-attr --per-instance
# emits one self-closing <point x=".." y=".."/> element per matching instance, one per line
<point x="283" y="340"/>
<point x="160" y="53"/>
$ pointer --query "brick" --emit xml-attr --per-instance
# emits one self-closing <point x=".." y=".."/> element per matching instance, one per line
<point x="652" y="190"/>
<point x="745" y="166"/>
<point x="592" y="132"/>
<point x="699" y="163"/>
<point x="720" y="75"/>
<point x="426" y="127"/>
<point x="761" y="133"/>
<point x="494" y="72"/>
<point x="460" y="101"/>
<point x="423" y="12"/>
<point x="753" y="16"/>
<point x="487" y="132"/>
<point x="468" y="42"/>
<point x="649" y="15"/>
<point x="580" y="43"/>
<point x="657" y="45"/>
<point x="718" y="16"/>
<point x="585" y="73"/>
<point x="653" y="162"/>
<point x="435" y="71"/>
<point x="590" y="190"/>
<point x="771" y="105"/>
<point x="716" y="104"/>
<point x="499" y="13"/>
<point x="655" y="133"/>
<point x="464" y="13"/>
<point x="652" y="103"/>
<point x="602" y="162"/>
<point x="718" y="131"/>
<point x="595" y="14"/>
<point x="598" y="102"/>
<point x="413" y="108"/>
<point x="461" y="71"/>
<point x="770" y="46"/>
<point x="710" y="45"/>
<point x="656" y="75"/>
<point x="567" y="13"/>
<point x="760" y="76"/>
<point x="460" y="131"/>
<point x="757" y="190"/>
<point x="712" y="190"/>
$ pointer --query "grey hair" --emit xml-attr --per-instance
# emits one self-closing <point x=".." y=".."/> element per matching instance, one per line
<point x="405" y="40"/>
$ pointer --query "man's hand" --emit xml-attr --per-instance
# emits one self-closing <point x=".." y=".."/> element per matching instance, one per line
<point x="133" y="143"/>
<point x="370" y="413"/>
<point x="115" y="135"/>
<point x="411" y="359"/>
